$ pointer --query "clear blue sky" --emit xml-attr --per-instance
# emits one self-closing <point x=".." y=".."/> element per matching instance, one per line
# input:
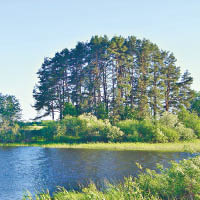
<point x="33" y="29"/>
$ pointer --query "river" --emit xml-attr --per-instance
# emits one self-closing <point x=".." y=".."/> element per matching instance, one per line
<point x="36" y="169"/>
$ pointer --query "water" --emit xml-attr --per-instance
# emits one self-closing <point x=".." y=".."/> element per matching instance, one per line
<point x="35" y="168"/>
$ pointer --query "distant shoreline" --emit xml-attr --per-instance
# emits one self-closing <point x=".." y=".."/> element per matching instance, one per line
<point x="191" y="146"/>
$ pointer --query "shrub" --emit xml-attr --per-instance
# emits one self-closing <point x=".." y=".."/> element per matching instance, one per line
<point x="147" y="131"/>
<point x="112" y="133"/>
<point x="9" y="132"/>
<point x="185" y="133"/>
<point x="49" y="131"/>
<point x="88" y="126"/>
<point x="73" y="126"/>
<point x="128" y="126"/>
<point x="130" y="129"/>
<point x="168" y="120"/>
<point x="171" y="134"/>
<point x="144" y="130"/>
<point x="190" y="120"/>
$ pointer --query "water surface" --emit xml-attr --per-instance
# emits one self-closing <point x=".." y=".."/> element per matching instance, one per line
<point x="36" y="168"/>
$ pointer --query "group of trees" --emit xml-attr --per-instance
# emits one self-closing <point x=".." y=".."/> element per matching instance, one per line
<point x="10" y="113"/>
<point x="109" y="90"/>
<point x="115" y="78"/>
<point x="10" y="109"/>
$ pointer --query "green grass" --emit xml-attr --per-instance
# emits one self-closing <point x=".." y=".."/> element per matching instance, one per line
<point x="192" y="146"/>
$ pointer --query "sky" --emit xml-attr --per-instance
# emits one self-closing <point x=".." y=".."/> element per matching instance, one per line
<point x="31" y="30"/>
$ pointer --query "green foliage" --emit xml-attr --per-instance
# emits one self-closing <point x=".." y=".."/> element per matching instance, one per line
<point x="10" y="109"/>
<point x="130" y="129"/>
<point x="180" y="181"/>
<point x="195" y="104"/>
<point x="72" y="126"/>
<point x="88" y="126"/>
<point x="167" y="129"/>
<point x="112" y="78"/>
<point x="101" y="111"/>
<point x="168" y="120"/>
<point x="171" y="134"/>
<point x="9" y="133"/>
<point x="190" y="120"/>
<point x="185" y="133"/>
<point x="146" y="130"/>
<point x="10" y="113"/>
<point x="69" y="109"/>
<point x="138" y="131"/>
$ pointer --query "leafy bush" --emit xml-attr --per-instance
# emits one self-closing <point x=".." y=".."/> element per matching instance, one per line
<point x="171" y="134"/>
<point x="88" y="126"/>
<point x="180" y="181"/>
<point x="130" y="129"/>
<point x="168" y="120"/>
<point x="150" y="132"/>
<point x="72" y="126"/>
<point x="190" y="120"/>
<point x="50" y="130"/>
<point x="9" y="132"/>
<point x="185" y="133"/>
<point x="144" y="130"/>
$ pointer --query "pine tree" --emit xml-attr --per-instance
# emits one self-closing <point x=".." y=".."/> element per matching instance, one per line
<point x="143" y="61"/>
<point x="172" y="76"/>
<point x="77" y="62"/>
<point x="186" y="94"/>
<point x="44" y="91"/>
<point x="156" y="84"/>
<point x="120" y="77"/>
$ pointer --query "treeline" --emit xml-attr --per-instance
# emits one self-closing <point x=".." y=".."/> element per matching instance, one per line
<point x="86" y="128"/>
<point x="117" y="78"/>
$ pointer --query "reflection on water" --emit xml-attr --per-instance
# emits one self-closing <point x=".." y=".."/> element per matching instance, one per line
<point x="35" y="168"/>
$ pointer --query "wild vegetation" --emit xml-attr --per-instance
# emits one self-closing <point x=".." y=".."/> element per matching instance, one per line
<point x="118" y="78"/>
<point x="10" y="114"/>
<point x="180" y="181"/>
<point x="107" y="90"/>
<point x="114" y="91"/>
<point x="184" y="126"/>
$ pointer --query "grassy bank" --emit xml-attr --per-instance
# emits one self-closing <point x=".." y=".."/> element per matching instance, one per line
<point x="180" y="181"/>
<point x="161" y="147"/>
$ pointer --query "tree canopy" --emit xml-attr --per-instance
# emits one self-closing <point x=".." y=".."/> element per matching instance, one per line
<point x="10" y="109"/>
<point x="116" y="78"/>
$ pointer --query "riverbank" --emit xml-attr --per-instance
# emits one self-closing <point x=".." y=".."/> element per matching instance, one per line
<point x="149" y="185"/>
<point x="191" y="146"/>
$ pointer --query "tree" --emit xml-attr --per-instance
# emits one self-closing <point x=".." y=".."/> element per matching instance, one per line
<point x="172" y="76"/>
<point x="143" y="61"/>
<point x="69" y="109"/>
<point x="10" y="109"/>
<point x="156" y="83"/>
<point x="186" y="94"/>
<point x="195" y="103"/>
<point x="118" y="78"/>
<point x="44" y="92"/>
